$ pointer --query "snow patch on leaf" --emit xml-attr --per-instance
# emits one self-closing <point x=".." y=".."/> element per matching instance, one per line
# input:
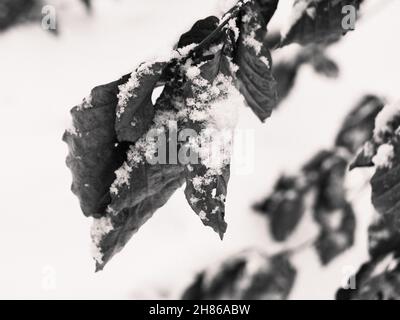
<point x="384" y="156"/>
<point x="100" y="228"/>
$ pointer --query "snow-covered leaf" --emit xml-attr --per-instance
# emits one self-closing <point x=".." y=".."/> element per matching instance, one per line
<point x="316" y="21"/>
<point x="251" y="275"/>
<point x="206" y="95"/>
<point x="150" y="189"/>
<point x="255" y="79"/>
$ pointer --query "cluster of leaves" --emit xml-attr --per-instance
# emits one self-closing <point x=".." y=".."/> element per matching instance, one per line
<point x="378" y="278"/>
<point x="320" y="189"/>
<point x="250" y="275"/>
<point x="107" y="141"/>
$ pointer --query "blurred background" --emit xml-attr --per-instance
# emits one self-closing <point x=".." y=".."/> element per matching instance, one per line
<point x="44" y="237"/>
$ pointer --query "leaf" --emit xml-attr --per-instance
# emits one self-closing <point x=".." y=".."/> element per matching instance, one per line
<point x="386" y="185"/>
<point x="316" y="21"/>
<point x="255" y="80"/>
<point x="337" y="236"/>
<point x="94" y="151"/>
<point x="359" y="124"/>
<point x="207" y="181"/>
<point x="199" y="31"/>
<point x="151" y="193"/>
<point x="284" y="207"/>
<point x="250" y="275"/>
<point x="332" y="211"/>
<point x="383" y="236"/>
<point x="207" y="197"/>
<point x="378" y="279"/>
<point x="135" y="110"/>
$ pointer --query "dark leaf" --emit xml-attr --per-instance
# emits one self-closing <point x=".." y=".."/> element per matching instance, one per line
<point x="255" y="79"/>
<point x="337" y="232"/>
<point x="94" y="151"/>
<point x="149" y="194"/>
<point x="208" y="198"/>
<point x="247" y="276"/>
<point x="199" y="31"/>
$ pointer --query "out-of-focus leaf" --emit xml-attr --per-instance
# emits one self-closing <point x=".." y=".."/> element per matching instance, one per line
<point x="359" y="124"/>
<point x="378" y="279"/>
<point x="316" y="21"/>
<point x="250" y="276"/>
<point x="94" y="151"/>
<point x="285" y="71"/>
<point x="256" y="82"/>
<point x="332" y="212"/>
<point x="15" y="11"/>
<point x="284" y="207"/>
<point x="383" y="236"/>
<point x="337" y="232"/>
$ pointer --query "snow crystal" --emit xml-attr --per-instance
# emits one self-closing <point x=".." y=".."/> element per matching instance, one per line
<point x="384" y="156"/>
<point x="126" y="90"/>
<point x="384" y="118"/>
<point x="100" y="228"/>
<point x="122" y="177"/>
